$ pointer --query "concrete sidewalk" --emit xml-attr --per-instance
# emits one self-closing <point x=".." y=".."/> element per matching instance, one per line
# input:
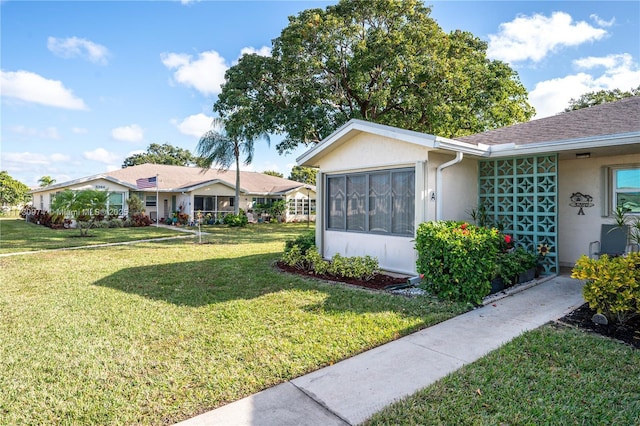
<point x="350" y="391"/>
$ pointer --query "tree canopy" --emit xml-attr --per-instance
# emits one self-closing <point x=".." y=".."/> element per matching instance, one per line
<point x="162" y="154"/>
<point x="46" y="181"/>
<point x="12" y="191"/>
<point x="273" y="173"/>
<point x="590" y="99"/>
<point x="304" y="174"/>
<point x="383" y="61"/>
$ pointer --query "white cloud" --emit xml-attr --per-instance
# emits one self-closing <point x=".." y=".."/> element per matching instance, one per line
<point x="601" y="22"/>
<point x="18" y="160"/>
<point x="194" y="125"/>
<point x="79" y="130"/>
<point x="31" y="87"/>
<point x="101" y="155"/>
<point x="534" y="37"/>
<point x="552" y="96"/>
<point x="78" y="47"/>
<point x="205" y="73"/>
<point x="48" y="133"/>
<point x="132" y="133"/>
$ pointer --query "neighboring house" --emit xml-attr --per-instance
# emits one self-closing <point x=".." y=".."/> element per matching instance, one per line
<point x="550" y="181"/>
<point x="188" y="190"/>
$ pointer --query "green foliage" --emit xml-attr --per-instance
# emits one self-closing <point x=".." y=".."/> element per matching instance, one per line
<point x="236" y="220"/>
<point x="512" y="263"/>
<point x="457" y="259"/>
<point x="84" y="206"/>
<point x="273" y="173"/>
<point x="135" y="205"/>
<point x="384" y="61"/>
<point x="600" y="97"/>
<point x="359" y="267"/>
<point x="162" y="154"/>
<point x="304" y="174"/>
<point x="278" y="208"/>
<point x="612" y="285"/>
<point x="304" y="242"/>
<point x="46" y="181"/>
<point x="12" y="192"/>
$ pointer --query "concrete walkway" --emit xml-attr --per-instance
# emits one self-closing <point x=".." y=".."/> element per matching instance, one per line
<point x="350" y="391"/>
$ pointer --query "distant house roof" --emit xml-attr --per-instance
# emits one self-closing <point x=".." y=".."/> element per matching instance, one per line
<point x="610" y="118"/>
<point x="185" y="179"/>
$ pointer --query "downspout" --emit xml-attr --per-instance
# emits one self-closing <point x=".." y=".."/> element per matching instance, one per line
<point x="439" y="170"/>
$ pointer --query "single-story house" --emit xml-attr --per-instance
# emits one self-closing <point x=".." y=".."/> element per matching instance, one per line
<point x="167" y="189"/>
<point x="550" y="181"/>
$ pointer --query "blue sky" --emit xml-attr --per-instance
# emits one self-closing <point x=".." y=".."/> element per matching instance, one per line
<point x="86" y="84"/>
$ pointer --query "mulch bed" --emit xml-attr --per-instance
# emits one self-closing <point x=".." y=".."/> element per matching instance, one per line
<point x="581" y="318"/>
<point x="378" y="282"/>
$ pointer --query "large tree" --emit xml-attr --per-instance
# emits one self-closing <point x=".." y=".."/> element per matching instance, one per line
<point x="304" y="174"/>
<point x="12" y="191"/>
<point x="385" y="61"/>
<point x="162" y="154"/>
<point x="590" y="99"/>
<point x="219" y="148"/>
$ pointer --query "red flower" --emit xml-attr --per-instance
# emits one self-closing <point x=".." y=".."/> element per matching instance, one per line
<point x="463" y="226"/>
<point x="508" y="239"/>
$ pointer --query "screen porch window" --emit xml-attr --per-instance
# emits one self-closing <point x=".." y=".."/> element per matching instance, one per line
<point x="381" y="202"/>
<point x="626" y="189"/>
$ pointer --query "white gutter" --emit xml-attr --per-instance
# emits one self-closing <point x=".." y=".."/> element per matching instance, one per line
<point x="439" y="182"/>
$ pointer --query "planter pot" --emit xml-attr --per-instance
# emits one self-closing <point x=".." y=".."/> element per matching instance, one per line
<point x="497" y="284"/>
<point x="527" y="275"/>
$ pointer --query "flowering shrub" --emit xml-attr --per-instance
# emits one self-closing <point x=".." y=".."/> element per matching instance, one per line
<point x="612" y="285"/>
<point x="458" y="259"/>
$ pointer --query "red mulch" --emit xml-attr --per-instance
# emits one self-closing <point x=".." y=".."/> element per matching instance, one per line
<point x="581" y="318"/>
<point x="378" y="282"/>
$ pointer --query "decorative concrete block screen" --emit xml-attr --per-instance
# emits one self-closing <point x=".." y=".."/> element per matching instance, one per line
<point x="521" y="195"/>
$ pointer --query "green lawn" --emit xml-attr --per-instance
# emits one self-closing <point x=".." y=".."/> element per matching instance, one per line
<point x="158" y="332"/>
<point x="548" y="376"/>
<point x="18" y="236"/>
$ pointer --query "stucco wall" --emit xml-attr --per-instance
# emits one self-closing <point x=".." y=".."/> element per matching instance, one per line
<point x="575" y="232"/>
<point x="372" y="151"/>
<point x="101" y="184"/>
<point x="393" y="253"/>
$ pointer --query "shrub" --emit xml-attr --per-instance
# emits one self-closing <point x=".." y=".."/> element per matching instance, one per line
<point x="315" y="262"/>
<point x="457" y="259"/>
<point x="612" y="285"/>
<point x="353" y="267"/>
<point x="236" y="219"/>
<point x="295" y="258"/>
<point x="512" y="263"/>
<point x="303" y="241"/>
<point x="116" y="223"/>
<point x="139" y="219"/>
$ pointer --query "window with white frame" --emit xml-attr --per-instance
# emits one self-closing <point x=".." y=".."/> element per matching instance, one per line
<point x="626" y="188"/>
<point x="115" y="205"/>
<point x="150" y="201"/>
<point x="380" y="202"/>
<point x="300" y="206"/>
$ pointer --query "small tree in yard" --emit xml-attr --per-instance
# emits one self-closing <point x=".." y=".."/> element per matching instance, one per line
<point x="134" y="205"/>
<point x="79" y="205"/>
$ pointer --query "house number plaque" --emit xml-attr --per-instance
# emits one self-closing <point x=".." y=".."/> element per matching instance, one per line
<point x="580" y="200"/>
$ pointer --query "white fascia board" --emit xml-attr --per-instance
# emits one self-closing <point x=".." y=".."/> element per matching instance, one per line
<point x="203" y="184"/>
<point x="510" y="150"/>
<point x="457" y="146"/>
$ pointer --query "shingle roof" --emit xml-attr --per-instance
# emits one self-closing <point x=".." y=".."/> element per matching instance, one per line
<point x="183" y="178"/>
<point x="617" y="117"/>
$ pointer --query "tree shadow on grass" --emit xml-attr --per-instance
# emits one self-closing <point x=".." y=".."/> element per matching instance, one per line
<point x="201" y="283"/>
